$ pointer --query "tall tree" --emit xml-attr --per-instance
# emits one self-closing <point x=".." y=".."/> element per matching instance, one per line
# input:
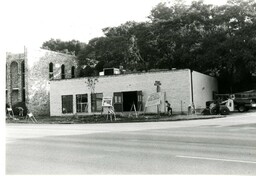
<point x="216" y="40"/>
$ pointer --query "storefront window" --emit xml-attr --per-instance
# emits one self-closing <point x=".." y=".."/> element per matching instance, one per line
<point x="97" y="102"/>
<point x="82" y="103"/>
<point x="67" y="104"/>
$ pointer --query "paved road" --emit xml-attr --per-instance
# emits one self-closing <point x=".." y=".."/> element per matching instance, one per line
<point x="213" y="146"/>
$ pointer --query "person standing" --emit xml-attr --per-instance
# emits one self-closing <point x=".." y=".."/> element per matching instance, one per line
<point x="168" y="106"/>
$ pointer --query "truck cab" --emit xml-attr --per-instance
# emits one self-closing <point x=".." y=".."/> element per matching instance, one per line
<point x="244" y="104"/>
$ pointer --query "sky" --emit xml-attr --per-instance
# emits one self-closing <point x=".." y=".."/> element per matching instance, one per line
<point x="31" y="22"/>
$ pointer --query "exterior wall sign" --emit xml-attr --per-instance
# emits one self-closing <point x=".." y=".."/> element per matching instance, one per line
<point x="153" y="99"/>
<point x="106" y="101"/>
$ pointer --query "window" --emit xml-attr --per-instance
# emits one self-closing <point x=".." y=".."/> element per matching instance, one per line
<point x="51" y="70"/>
<point x="97" y="102"/>
<point x="67" y="104"/>
<point x="62" y="71"/>
<point x="23" y="74"/>
<point x="118" y="98"/>
<point x="118" y="102"/>
<point x="81" y="103"/>
<point x="140" y="101"/>
<point x="15" y="97"/>
<point x="139" y="97"/>
<point x="73" y="72"/>
<point x="14" y="75"/>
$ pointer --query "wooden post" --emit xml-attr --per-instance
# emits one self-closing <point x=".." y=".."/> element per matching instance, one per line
<point x="158" y="84"/>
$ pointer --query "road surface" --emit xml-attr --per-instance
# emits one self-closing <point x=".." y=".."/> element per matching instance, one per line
<point x="214" y="146"/>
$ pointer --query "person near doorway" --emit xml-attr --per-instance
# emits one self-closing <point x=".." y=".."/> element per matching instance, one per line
<point x="21" y="110"/>
<point x="168" y="106"/>
<point x="111" y="112"/>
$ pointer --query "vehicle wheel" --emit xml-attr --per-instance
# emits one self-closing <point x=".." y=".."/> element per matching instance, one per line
<point x="213" y="111"/>
<point x="241" y="108"/>
<point x="224" y="111"/>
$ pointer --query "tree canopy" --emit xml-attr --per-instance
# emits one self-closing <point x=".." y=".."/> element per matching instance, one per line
<point x="72" y="47"/>
<point x="215" y="40"/>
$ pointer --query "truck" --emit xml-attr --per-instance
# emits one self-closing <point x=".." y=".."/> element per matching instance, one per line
<point x="245" y="101"/>
<point x="226" y="103"/>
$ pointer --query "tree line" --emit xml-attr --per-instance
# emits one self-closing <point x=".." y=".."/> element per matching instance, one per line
<point x="216" y="40"/>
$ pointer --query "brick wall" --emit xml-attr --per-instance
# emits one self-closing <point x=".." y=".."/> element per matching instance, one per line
<point x="14" y="77"/>
<point x="175" y="84"/>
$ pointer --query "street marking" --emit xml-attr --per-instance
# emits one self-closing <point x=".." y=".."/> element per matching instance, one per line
<point x="216" y="159"/>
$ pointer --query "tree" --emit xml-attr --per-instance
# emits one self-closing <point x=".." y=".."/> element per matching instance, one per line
<point x="216" y="40"/>
<point x="211" y="39"/>
<point x="72" y="47"/>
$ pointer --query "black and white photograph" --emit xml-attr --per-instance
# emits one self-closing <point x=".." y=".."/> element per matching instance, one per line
<point x="128" y="87"/>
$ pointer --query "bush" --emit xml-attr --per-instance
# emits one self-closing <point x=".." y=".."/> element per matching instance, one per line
<point x="19" y="104"/>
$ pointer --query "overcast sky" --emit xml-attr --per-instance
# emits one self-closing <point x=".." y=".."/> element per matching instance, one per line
<point x="31" y="22"/>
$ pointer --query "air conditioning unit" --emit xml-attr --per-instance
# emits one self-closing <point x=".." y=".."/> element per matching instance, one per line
<point x="110" y="71"/>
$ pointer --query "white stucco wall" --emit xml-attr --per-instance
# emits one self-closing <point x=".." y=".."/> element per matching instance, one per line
<point x="203" y="88"/>
<point x="175" y="84"/>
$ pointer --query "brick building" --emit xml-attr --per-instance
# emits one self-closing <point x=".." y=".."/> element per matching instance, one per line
<point x="28" y="76"/>
<point x="180" y="87"/>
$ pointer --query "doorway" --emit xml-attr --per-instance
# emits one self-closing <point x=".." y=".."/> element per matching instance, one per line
<point x="130" y="98"/>
<point x="123" y="101"/>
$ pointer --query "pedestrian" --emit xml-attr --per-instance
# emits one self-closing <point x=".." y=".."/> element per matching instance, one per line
<point x="21" y="110"/>
<point x="169" y="109"/>
<point x="111" y="112"/>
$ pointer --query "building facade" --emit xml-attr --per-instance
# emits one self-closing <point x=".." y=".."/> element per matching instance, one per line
<point x="28" y="76"/>
<point x="83" y="96"/>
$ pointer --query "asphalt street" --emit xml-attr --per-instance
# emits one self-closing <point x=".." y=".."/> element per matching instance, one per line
<point x="213" y="146"/>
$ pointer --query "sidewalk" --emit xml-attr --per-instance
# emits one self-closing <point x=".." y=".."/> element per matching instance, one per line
<point x="119" y="119"/>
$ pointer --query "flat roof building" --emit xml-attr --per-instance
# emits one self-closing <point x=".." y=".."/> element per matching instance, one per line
<point x="83" y="96"/>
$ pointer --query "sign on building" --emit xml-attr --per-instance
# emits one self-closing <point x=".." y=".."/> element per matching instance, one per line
<point x="106" y="101"/>
<point x="153" y="99"/>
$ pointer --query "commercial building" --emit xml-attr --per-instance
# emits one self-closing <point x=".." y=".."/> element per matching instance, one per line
<point x="28" y="76"/>
<point x="83" y="96"/>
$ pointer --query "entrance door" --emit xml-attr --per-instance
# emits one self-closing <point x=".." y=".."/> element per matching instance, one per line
<point x="126" y="101"/>
<point x="118" y="101"/>
<point x="129" y="101"/>
<point x="140" y="105"/>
